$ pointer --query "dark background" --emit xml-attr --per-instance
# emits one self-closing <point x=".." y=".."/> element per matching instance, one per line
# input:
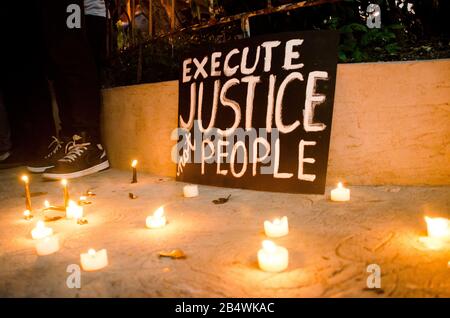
<point x="417" y="34"/>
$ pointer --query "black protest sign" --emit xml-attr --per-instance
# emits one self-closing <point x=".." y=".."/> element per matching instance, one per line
<point x="256" y="113"/>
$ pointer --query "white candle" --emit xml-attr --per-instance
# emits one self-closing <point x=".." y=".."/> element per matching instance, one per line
<point x="74" y="211"/>
<point x="47" y="245"/>
<point x="277" y="228"/>
<point x="190" y="190"/>
<point x="133" y="165"/>
<point x="438" y="227"/>
<point x="66" y="192"/>
<point x="92" y="260"/>
<point x="26" y="182"/>
<point x="157" y="220"/>
<point x="41" y="231"/>
<point x="340" y="194"/>
<point x="272" y="258"/>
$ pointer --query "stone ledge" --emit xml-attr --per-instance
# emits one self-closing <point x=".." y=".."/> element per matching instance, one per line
<point x="391" y="124"/>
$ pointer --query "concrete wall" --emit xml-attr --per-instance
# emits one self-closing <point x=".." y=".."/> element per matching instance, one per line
<point x="391" y="124"/>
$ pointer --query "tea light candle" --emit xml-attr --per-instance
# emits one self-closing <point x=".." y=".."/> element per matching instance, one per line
<point x="92" y="260"/>
<point x="26" y="182"/>
<point x="47" y="245"/>
<point x="438" y="227"/>
<point x="41" y="231"/>
<point x="340" y="194"/>
<point x="27" y="215"/>
<point x="190" y="190"/>
<point x="432" y="243"/>
<point x="272" y="258"/>
<point x="133" y="165"/>
<point x="74" y="211"/>
<point x="277" y="228"/>
<point x="157" y="220"/>
<point x="66" y="192"/>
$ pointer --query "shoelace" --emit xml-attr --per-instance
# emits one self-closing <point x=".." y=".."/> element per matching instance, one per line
<point x="55" y="148"/>
<point x="74" y="150"/>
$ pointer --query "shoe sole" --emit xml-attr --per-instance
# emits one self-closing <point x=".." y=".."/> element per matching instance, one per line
<point x="5" y="156"/>
<point x="56" y="176"/>
<point x="38" y="169"/>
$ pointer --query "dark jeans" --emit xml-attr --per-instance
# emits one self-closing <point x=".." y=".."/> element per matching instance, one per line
<point x="5" y="134"/>
<point x="73" y="61"/>
<point x="23" y="78"/>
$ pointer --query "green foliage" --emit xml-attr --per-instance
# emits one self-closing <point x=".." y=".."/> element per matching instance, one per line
<point x="158" y="59"/>
<point x="359" y="43"/>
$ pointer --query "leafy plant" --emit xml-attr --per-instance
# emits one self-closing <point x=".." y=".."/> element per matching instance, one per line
<point x="359" y="43"/>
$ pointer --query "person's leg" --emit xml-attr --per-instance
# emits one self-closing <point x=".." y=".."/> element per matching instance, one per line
<point x="5" y="134"/>
<point x="77" y="86"/>
<point x="24" y="83"/>
<point x="76" y="80"/>
<point x="9" y="158"/>
<point x="96" y="35"/>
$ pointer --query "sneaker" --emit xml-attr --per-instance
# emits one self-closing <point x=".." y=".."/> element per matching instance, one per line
<point x="5" y="155"/>
<point x="81" y="159"/>
<point x="57" y="151"/>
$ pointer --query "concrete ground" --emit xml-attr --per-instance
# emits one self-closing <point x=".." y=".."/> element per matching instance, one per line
<point x="330" y="244"/>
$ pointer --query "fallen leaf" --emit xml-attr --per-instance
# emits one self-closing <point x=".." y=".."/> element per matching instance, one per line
<point x="222" y="200"/>
<point x="82" y="221"/>
<point x="132" y="196"/>
<point x="52" y="218"/>
<point x="89" y="193"/>
<point x="174" y="254"/>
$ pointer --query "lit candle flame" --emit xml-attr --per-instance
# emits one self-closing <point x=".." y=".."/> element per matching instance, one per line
<point x="25" y="178"/>
<point x="40" y="225"/>
<point x="91" y="252"/>
<point x="269" y="246"/>
<point x="72" y="203"/>
<point x="276" y="221"/>
<point x="134" y="163"/>
<point x="159" y="213"/>
<point x="46" y="204"/>
<point x="64" y="182"/>
<point x="340" y="186"/>
<point x="83" y="198"/>
<point x="26" y="213"/>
